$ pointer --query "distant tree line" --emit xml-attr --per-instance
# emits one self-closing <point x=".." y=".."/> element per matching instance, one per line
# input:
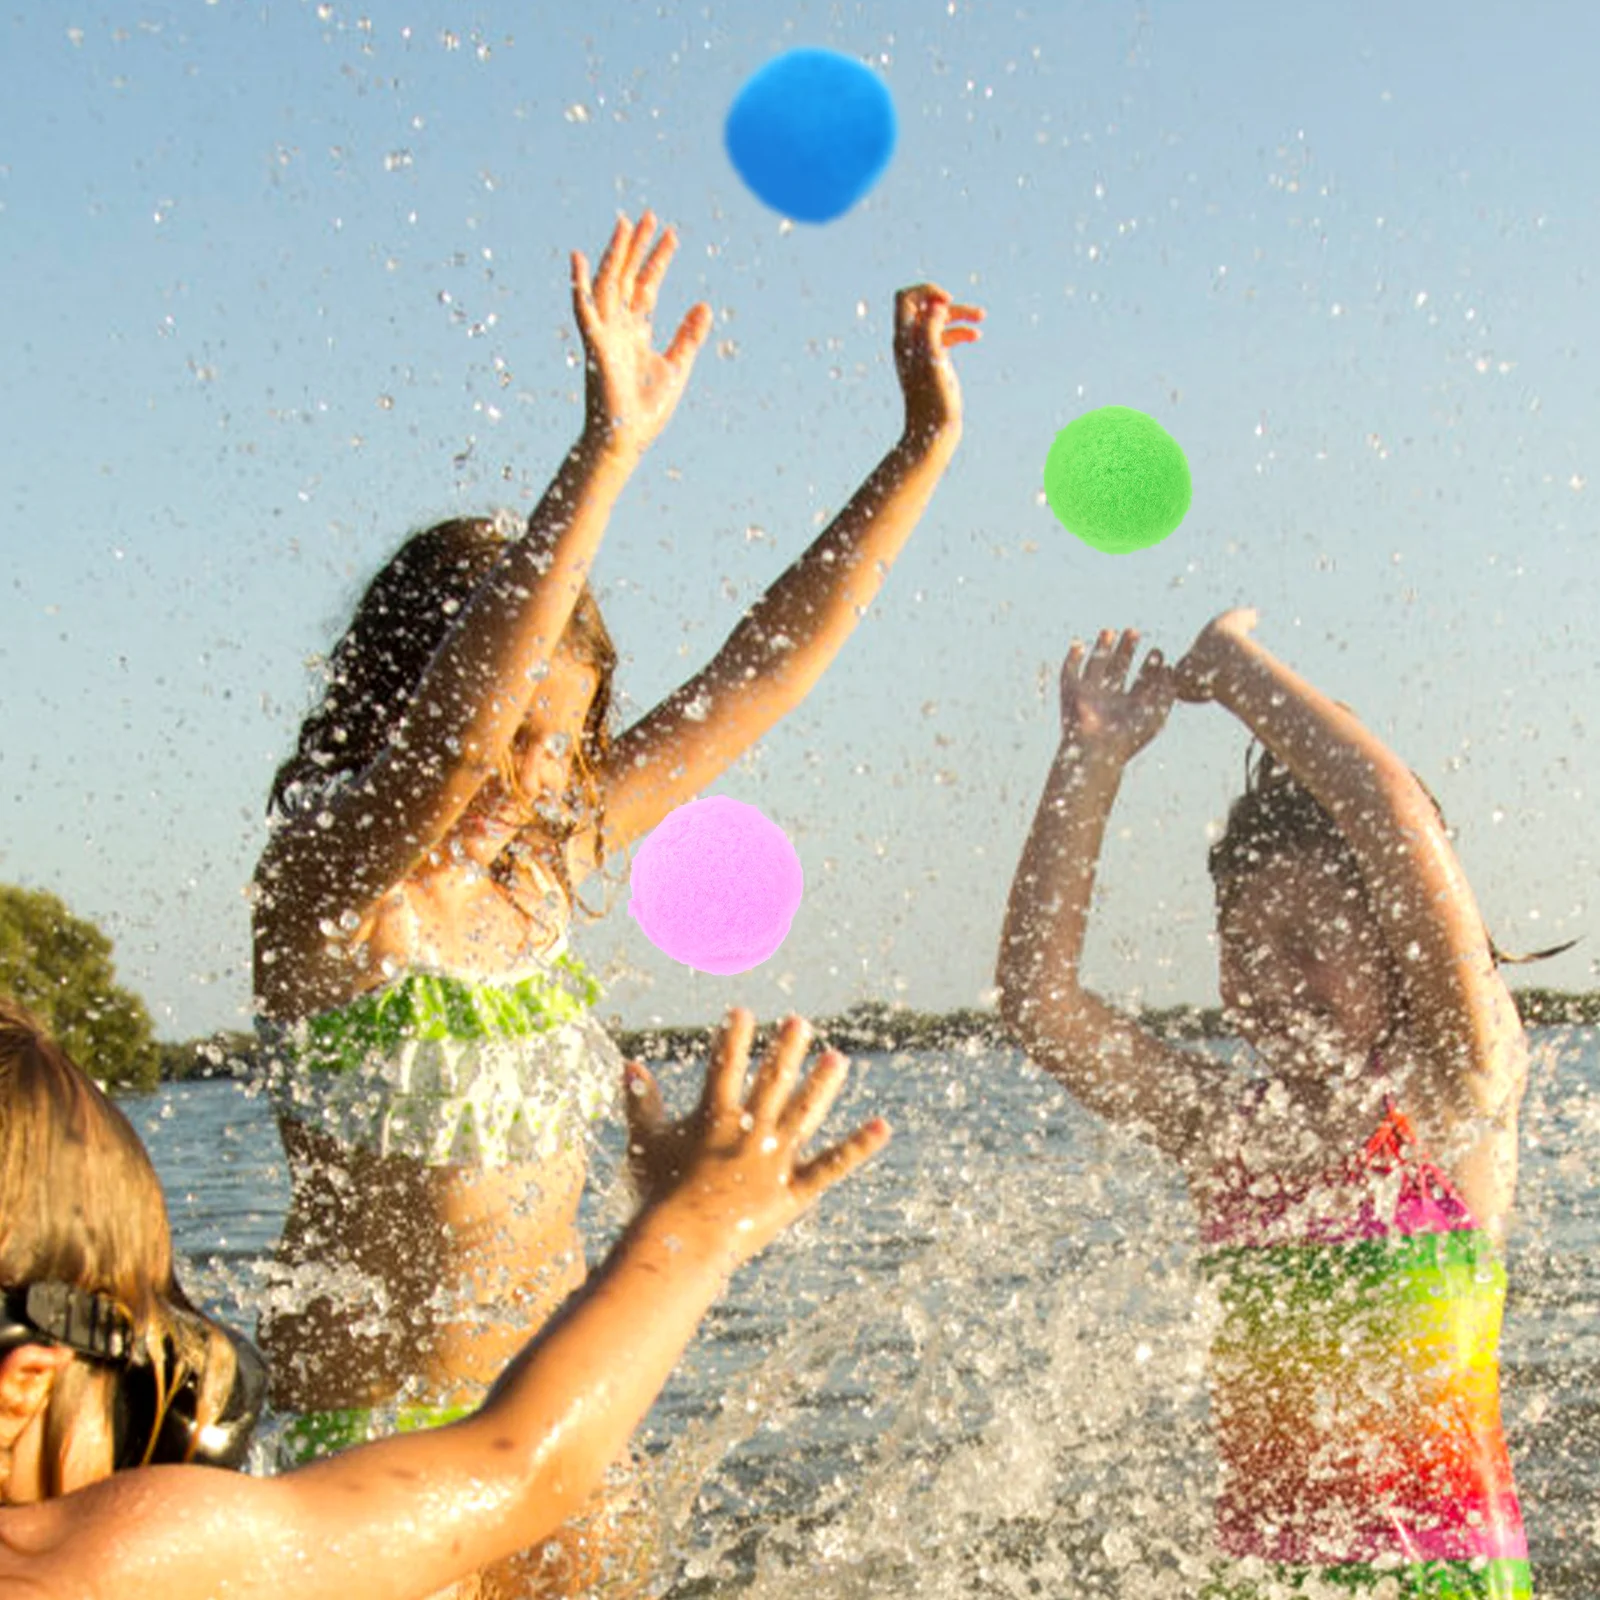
<point x="59" y="966"/>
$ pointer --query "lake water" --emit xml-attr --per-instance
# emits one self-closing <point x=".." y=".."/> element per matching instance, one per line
<point x="980" y="1369"/>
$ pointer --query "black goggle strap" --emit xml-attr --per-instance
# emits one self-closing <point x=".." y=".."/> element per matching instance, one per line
<point x="94" y="1325"/>
<point x="155" y="1415"/>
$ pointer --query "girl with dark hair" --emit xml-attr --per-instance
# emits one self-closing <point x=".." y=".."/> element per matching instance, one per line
<point x="88" y="1302"/>
<point x="437" y="1056"/>
<point x="1353" y="1194"/>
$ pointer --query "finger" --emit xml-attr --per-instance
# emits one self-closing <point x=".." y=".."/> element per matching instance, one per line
<point x="730" y="1055"/>
<point x="838" y="1161"/>
<point x="935" y="316"/>
<point x="775" y="1078"/>
<point x="1094" y="671"/>
<point x="653" y="271"/>
<point x="605" y="280"/>
<point x="954" y="336"/>
<point x="642" y="1103"/>
<point x="692" y="333"/>
<point x="582" y="293"/>
<point x="634" y="259"/>
<point x="1157" y="683"/>
<point x="808" y="1107"/>
<point x="1122" y="656"/>
<point x="1071" y="673"/>
<point x="966" y="313"/>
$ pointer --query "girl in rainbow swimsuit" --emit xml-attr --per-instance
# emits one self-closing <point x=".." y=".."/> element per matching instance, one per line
<point x="437" y="1061"/>
<point x="1353" y="1196"/>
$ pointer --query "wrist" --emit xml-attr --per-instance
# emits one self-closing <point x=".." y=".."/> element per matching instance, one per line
<point x="1225" y="664"/>
<point x="925" y="436"/>
<point x="602" y="443"/>
<point x="1082" y="757"/>
<point x="674" y="1236"/>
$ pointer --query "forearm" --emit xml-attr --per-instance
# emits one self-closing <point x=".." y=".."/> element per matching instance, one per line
<point x="577" y="1391"/>
<point x="517" y="618"/>
<point x="1047" y="914"/>
<point x="507" y="1477"/>
<point x="1359" y="781"/>
<point x="817" y="602"/>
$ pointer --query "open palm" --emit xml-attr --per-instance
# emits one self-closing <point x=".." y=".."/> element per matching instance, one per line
<point x="1100" y="708"/>
<point x="632" y="388"/>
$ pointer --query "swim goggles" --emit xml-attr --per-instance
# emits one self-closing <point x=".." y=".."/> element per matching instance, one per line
<point x="155" y="1414"/>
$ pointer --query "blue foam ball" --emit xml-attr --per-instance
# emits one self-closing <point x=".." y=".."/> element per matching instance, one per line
<point x="810" y="133"/>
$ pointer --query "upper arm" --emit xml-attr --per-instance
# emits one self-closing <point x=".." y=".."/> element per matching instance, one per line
<point x="334" y="858"/>
<point x="1121" y="1071"/>
<point x="402" y="1517"/>
<point x="1460" y="1017"/>
<point x="698" y="732"/>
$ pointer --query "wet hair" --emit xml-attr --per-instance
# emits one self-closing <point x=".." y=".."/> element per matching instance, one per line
<point x="1277" y="817"/>
<point x="81" y="1204"/>
<point x="408" y="609"/>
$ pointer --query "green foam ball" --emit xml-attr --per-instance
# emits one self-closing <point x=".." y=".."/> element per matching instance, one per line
<point x="1117" y="479"/>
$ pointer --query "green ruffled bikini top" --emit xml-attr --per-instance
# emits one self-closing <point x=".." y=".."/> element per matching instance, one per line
<point x="427" y="1005"/>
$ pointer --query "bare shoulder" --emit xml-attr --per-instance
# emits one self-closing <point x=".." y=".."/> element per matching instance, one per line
<point x="159" y="1533"/>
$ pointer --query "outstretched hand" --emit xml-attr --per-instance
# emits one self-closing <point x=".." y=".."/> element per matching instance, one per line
<point x="1100" y="709"/>
<point x="1196" y="674"/>
<point x="927" y="324"/>
<point x="632" y="389"/>
<point x="735" y="1167"/>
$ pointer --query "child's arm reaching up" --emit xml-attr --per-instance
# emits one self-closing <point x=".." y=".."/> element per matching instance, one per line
<point x="1460" y="1024"/>
<point x="1111" y="1065"/>
<point x="337" y="858"/>
<point x="786" y="641"/>
<point x="405" y="1516"/>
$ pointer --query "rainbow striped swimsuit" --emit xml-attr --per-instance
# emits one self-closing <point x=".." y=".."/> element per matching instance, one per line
<point x="1356" y="1388"/>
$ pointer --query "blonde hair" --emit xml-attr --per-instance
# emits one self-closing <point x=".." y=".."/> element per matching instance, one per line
<point x="81" y="1204"/>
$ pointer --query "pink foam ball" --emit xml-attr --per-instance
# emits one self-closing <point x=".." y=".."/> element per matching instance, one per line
<point x="716" y="886"/>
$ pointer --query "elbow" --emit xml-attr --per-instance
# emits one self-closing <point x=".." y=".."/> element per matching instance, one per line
<point x="1041" y="1015"/>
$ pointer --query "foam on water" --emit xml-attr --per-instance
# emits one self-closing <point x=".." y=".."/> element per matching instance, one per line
<point x="981" y="1370"/>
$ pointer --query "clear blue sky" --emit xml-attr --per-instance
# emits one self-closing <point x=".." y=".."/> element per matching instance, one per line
<point x="278" y="284"/>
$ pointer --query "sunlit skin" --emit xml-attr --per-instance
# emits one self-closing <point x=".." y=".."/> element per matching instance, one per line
<point x="409" y="1515"/>
<point x="399" y="868"/>
<point x="451" y="911"/>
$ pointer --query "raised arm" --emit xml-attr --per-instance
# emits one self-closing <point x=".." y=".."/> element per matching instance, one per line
<point x="786" y="641"/>
<point x="404" y="1517"/>
<point x="1460" y="1019"/>
<point x="1111" y="1065"/>
<point x="478" y="687"/>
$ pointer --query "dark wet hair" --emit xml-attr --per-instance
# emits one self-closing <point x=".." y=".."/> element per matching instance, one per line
<point x="409" y="608"/>
<point x="1277" y="816"/>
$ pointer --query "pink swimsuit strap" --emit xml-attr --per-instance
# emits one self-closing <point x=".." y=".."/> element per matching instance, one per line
<point x="1343" y="1205"/>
